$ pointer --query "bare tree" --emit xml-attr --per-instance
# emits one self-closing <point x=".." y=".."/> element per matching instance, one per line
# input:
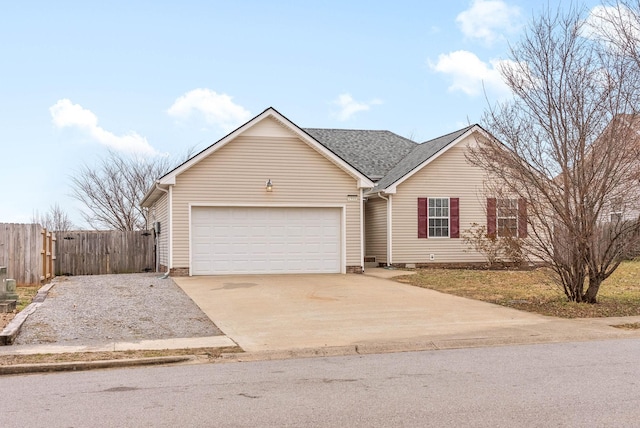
<point x="112" y="190"/>
<point x="56" y="219"/>
<point x="567" y="143"/>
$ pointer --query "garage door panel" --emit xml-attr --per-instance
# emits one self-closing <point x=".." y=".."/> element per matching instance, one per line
<point x="229" y="240"/>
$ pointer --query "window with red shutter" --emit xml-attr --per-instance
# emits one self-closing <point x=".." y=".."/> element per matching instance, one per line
<point x="439" y="219"/>
<point x="507" y="217"/>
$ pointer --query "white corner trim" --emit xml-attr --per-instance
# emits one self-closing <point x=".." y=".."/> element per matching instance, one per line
<point x="362" y="229"/>
<point x="170" y="214"/>
<point x="390" y="230"/>
<point x="343" y="237"/>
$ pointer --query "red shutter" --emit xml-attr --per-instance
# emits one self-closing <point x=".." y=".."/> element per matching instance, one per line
<point x="522" y="218"/>
<point x="491" y="217"/>
<point x="422" y="217"/>
<point x="454" y="211"/>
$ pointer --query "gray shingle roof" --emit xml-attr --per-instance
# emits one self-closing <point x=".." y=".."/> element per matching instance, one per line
<point x="373" y="153"/>
<point x="418" y="155"/>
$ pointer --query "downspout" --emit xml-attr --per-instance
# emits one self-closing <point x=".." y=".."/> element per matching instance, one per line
<point x="166" y="274"/>
<point x="389" y="228"/>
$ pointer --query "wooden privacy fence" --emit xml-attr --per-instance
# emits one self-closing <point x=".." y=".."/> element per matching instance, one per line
<point x="28" y="252"/>
<point x="102" y="252"/>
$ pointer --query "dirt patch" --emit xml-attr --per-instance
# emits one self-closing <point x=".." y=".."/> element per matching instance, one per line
<point x="5" y="319"/>
<point x="25" y="296"/>
<point x="628" y="326"/>
<point x="203" y="353"/>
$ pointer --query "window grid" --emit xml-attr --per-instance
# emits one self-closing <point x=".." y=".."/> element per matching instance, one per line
<point x="507" y="217"/>
<point x="438" y="217"/>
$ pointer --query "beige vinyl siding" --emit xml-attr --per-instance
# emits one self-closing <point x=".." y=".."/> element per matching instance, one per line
<point x="450" y="176"/>
<point x="236" y="175"/>
<point x="376" y="229"/>
<point x="161" y="214"/>
<point x="268" y="128"/>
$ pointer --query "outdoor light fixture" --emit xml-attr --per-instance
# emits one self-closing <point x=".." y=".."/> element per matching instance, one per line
<point x="269" y="186"/>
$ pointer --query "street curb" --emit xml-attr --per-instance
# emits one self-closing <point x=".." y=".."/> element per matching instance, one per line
<point x="8" y="335"/>
<point x="397" y="347"/>
<point x="331" y="351"/>
<point x="90" y="365"/>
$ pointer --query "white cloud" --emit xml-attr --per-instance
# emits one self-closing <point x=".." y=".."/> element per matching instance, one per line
<point x="349" y="106"/>
<point x="65" y="114"/>
<point x="487" y="20"/>
<point x="607" y="23"/>
<point x="217" y="109"/>
<point x="471" y="75"/>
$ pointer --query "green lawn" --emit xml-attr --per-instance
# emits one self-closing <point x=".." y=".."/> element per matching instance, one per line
<point x="536" y="290"/>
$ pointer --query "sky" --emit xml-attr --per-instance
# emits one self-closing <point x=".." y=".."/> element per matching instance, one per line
<point x="160" y="78"/>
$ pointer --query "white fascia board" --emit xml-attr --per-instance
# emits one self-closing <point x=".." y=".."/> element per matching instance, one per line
<point x="393" y="188"/>
<point x="170" y="178"/>
<point x="363" y="181"/>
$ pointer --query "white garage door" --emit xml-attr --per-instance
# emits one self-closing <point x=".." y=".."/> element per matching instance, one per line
<point x="231" y="240"/>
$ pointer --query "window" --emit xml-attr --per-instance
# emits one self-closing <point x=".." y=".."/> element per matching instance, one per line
<point x="615" y="215"/>
<point x="507" y="217"/>
<point x="438" y="217"/>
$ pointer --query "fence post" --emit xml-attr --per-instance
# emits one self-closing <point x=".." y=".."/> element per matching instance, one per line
<point x="52" y="254"/>
<point x="43" y="253"/>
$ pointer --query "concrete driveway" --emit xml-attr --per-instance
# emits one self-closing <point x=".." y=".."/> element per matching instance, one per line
<point x="286" y="312"/>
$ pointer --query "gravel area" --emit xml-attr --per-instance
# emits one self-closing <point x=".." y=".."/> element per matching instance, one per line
<point x="90" y="310"/>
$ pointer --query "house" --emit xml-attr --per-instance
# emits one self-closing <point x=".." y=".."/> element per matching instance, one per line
<point x="271" y="197"/>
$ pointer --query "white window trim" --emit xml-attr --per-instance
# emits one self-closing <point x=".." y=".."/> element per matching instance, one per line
<point x="516" y="217"/>
<point x="429" y="198"/>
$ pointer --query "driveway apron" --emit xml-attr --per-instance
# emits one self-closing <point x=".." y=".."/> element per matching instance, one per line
<point x="284" y="312"/>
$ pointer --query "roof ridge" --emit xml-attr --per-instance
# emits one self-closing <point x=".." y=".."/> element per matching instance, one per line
<point x="351" y="129"/>
<point x="453" y="132"/>
<point x="363" y="130"/>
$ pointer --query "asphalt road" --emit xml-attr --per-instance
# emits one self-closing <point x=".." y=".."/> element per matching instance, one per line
<point x="590" y="384"/>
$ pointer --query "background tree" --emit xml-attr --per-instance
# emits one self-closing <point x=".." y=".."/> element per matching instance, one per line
<point x="56" y="219"/>
<point x="112" y="190"/>
<point x="567" y="143"/>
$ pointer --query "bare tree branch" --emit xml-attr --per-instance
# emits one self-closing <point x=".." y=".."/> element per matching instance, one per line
<point x="56" y="219"/>
<point x="112" y="190"/>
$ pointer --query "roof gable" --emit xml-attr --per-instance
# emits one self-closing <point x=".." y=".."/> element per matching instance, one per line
<point x="295" y="130"/>
<point x="287" y="127"/>
<point x="421" y="156"/>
